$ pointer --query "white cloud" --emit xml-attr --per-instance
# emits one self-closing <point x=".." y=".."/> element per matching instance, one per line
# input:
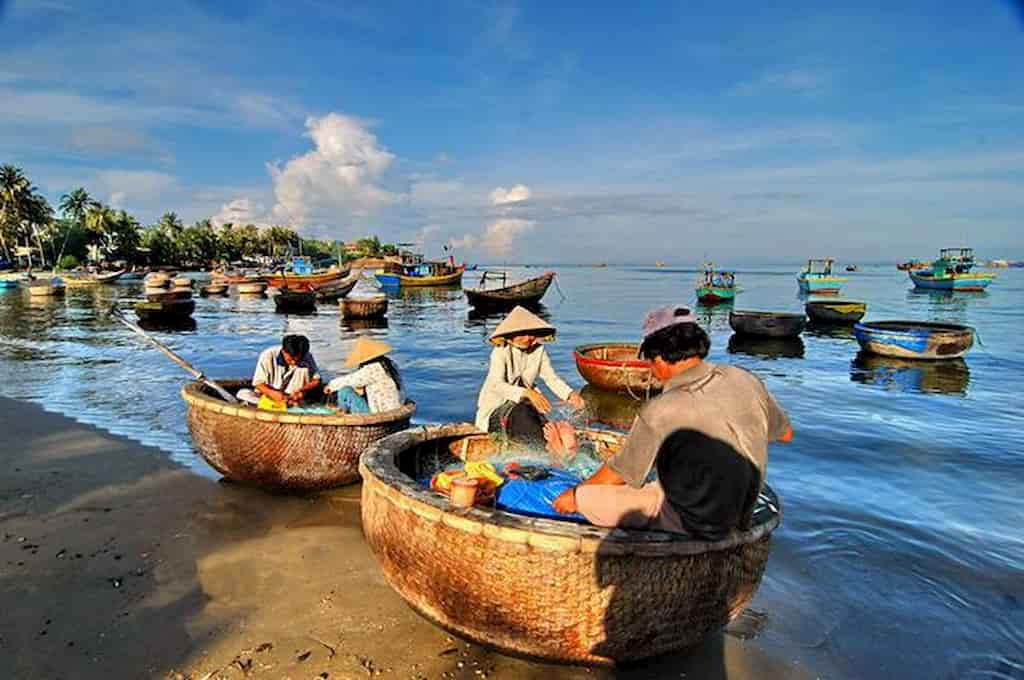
<point x="501" y="234"/>
<point x="517" y="194"/>
<point x="241" y="211"/>
<point x="127" y="188"/>
<point x="337" y="180"/>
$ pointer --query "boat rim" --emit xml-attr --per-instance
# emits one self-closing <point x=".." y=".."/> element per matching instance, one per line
<point x="579" y="353"/>
<point x="898" y="326"/>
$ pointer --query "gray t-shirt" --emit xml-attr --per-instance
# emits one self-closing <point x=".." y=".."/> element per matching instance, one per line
<point x="272" y="370"/>
<point x="723" y="402"/>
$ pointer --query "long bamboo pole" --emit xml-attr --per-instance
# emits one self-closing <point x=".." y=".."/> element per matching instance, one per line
<point x="192" y="370"/>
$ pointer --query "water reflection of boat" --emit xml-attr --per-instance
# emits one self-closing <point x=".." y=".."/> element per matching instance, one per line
<point x="609" y="408"/>
<point x="363" y="324"/>
<point x="765" y="347"/>
<point x="908" y="375"/>
<point x="182" y="325"/>
<point x="714" y="317"/>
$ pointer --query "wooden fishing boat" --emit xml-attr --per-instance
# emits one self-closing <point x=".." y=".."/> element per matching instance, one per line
<point x="165" y="310"/>
<point x="250" y="287"/>
<point x="302" y="275"/>
<point x="335" y="290"/>
<point x="952" y="272"/>
<point x="544" y="588"/>
<point x="45" y="287"/>
<point x="425" y="274"/>
<point x="913" y="264"/>
<point x="852" y="268"/>
<point x="768" y="324"/>
<point x="293" y="301"/>
<point x="835" y="311"/>
<point x="527" y="293"/>
<point x="614" y="367"/>
<point x="216" y="288"/>
<point x="817" y="277"/>
<point x="108" y="277"/>
<point x="373" y="307"/>
<point x="283" y="450"/>
<point x="914" y="339"/>
<point x="716" y="287"/>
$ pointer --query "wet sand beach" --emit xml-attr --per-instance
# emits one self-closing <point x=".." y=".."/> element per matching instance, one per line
<point x="116" y="562"/>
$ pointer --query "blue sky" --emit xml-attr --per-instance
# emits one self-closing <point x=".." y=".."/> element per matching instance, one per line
<point x="520" y="130"/>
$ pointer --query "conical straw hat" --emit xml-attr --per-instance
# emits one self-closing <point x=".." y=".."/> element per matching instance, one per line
<point x="365" y="350"/>
<point x="522" y="321"/>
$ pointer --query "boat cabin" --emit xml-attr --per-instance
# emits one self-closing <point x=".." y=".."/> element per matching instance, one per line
<point x="953" y="261"/>
<point x="820" y="267"/>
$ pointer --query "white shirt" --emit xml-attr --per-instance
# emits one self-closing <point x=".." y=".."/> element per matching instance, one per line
<point x="382" y="394"/>
<point x="511" y="373"/>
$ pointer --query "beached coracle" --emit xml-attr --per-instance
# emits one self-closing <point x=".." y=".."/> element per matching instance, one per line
<point x="527" y="293"/>
<point x="914" y="339"/>
<point x="283" y="450"/>
<point x="543" y="588"/>
<point x="373" y="307"/>
<point x="614" y="366"/>
<point x="835" y="311"/>
<point x="768" y="324"/>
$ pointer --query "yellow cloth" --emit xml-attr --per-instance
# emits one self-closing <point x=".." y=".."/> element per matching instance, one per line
<point x="268" y="404"/>
<point x="481" y="469"/>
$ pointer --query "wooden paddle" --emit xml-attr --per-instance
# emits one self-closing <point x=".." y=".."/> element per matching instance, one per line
<point x="192" y="370"/>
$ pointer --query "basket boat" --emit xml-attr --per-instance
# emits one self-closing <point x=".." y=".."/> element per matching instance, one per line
<point x="614" y="366"/>
<point x="157" y="280"/>
<point x="164" y="295"/>
<point x="835" y="311"/>
<point x="283" y="450"/>
<point x="165" y="310"/>
<point x="335" y="290"/>
<point x="290" y="301"/>
<point x="548" y="589"/>
<point x="182" y="282"/>
<point x="45" y="288"/>
<point x="914" y="339"/>
<point x="768" y="324"/>
<point x="250" y="287"/>
<point x="527" y="293"/>
<point x="214" y="289"/>
<point x="364" y="308"/>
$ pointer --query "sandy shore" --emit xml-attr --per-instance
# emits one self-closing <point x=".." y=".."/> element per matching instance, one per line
<point x="114" y="562"/>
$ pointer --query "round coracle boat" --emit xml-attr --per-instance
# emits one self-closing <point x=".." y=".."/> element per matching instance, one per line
<point x="213" y="289"/>
<point x="614" y="367"/>
<point x="768" y="324"/>
<point x="914" y="339"/>
<point x="543" y="588"/>
<point x="364" y="307"/>
<point x="165" y="310"/>
<point x="283" y="450"/>
<point x="252" y="288"/>
<point x="835" y="311"/>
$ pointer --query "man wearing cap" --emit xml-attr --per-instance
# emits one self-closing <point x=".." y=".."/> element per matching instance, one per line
<point x="706" y="435"/>
<point x="286" y="375"/>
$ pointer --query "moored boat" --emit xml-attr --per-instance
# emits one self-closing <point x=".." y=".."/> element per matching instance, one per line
<point x="567" y="592"/>
<point x="171" y="309"/>
<point x="835" y="311"/>
<point x="302" y="275"/>
<point x="527" y="293"/>
<point x="914" y="339"/>
<point x="817" y="277"/>
<point x="216" y="288"/>
<point x="45" y="287"/>
<point x="952" y="272"/>
<point x="283" y="450"/>
<point x="295" y="301"/>
<point x="614" y="367"/>
<point x="335" y="290"/>
<point x="715" y="287"/>
<point x="250" y="287"/>
<point x="427" y="273"/>
<point x="9" y="283"/>
<point x="912" y="264"/>
<point x="370" y="307"/>
<point x="767" y="324"/>
<point x="182" y="282"/>
<point x="157" y="280"/>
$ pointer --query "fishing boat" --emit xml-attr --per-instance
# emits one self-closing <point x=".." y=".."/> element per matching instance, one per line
<point x="952" y="271"/>
<point x="914" y="339"/>
<point x="45" y="287"/>
<point x="370" y="307"/>
<point x="912" y="265"/>
<point x="283" y="450"/>
<point x="82" y="279"/>
<point x="300" y="274"/>
<point x="333" y="291"/>
<point x="168" y="309"/>
<point x="852" y="268"/>
<point x="817" y="277"/>
<point x="767" y="324"/>
<point x="714" y="287"/>
<point x="835" y="311"/>
<point x="9" y="283"/>
<point x="424" y="273"/>
<point x="527" y="293"/>
<point x="614" y="366"/>
<point x="295" y="301"/>
<point x="564" y="592"/>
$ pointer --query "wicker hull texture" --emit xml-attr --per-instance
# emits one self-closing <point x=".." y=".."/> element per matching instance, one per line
<point x="614" y="367"/>
<point x="551" y="590"/>
<point x="283" y="451"/>
<point x="364" y="308"/>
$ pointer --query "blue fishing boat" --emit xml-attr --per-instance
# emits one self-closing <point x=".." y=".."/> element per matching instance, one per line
<point x="952" y="271"/>
<point x="817" y="277"/>
<point x="7" y="284"/>
<point x="914" y="339"/>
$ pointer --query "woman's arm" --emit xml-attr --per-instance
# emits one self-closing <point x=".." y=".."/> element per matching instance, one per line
<point x="552" y="379"/>
<point x="359" y="378"/>
<point x="496" y="382"/>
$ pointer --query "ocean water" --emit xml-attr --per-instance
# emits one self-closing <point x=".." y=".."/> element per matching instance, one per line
<point x="901" y="550"/>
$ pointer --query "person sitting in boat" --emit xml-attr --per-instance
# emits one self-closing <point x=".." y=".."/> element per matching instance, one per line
<point x="375" y="386"/>
<point x="285" y="375"/>
<point x="509" y="402"/>
<point x="706" y="436"/>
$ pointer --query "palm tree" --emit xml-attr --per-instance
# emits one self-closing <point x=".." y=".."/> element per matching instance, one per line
<point x="74" y="205"/>
<point x="22" y="208"/>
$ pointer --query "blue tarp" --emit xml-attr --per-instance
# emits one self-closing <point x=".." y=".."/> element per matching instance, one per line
<point x="534" y="498"/>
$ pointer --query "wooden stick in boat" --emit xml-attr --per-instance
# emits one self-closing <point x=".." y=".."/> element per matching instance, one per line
<point x="192" y="370"/>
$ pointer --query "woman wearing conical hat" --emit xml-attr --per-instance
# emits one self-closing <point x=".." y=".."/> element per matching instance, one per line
<point x="510" y="401"/>
<point x="375" y="386"/>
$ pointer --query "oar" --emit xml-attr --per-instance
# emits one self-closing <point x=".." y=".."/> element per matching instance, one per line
<point x="192" y="370"/>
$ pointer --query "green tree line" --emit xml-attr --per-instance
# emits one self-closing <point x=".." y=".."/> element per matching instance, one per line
<point x="87" y="230"/>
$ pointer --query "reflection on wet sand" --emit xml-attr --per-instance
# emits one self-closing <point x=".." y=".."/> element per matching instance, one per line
<point x="766" y="348"/>
<point x="950" y="376"/>
<point x="610" y="408"/>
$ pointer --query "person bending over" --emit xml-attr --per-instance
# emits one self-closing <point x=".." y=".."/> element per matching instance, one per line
<point x="286" y="375"/>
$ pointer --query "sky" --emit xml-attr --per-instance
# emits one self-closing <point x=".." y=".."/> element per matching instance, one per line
<point x="537" y="131"/>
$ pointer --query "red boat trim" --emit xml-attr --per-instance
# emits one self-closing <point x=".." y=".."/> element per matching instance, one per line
<point x="630" y="363"/>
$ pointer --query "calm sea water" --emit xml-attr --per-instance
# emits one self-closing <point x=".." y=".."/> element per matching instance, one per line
<point x="901" y="552"/>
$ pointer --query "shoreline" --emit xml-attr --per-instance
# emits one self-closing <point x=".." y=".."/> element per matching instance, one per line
<point x="117" y="562"/>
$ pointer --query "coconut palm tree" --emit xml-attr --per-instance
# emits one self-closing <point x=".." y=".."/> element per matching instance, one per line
<point x="74" y="205"/>
<point x="22" y="209"/>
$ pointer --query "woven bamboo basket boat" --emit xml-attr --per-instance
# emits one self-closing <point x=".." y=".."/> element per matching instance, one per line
<point x="914" y="339"/>
<point x="845" y="312"/>
<point x="767" y="324"/>
<point x="365" y="307"/>
<point x="213" y="289"/>
<point x="542" y="588"/>
<point x="614" y="367"/>
<point x="283" y="450"/>
<point x="252" y="288"/>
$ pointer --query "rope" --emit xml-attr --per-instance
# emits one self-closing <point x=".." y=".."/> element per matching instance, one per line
<point x="555" y="281"/>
